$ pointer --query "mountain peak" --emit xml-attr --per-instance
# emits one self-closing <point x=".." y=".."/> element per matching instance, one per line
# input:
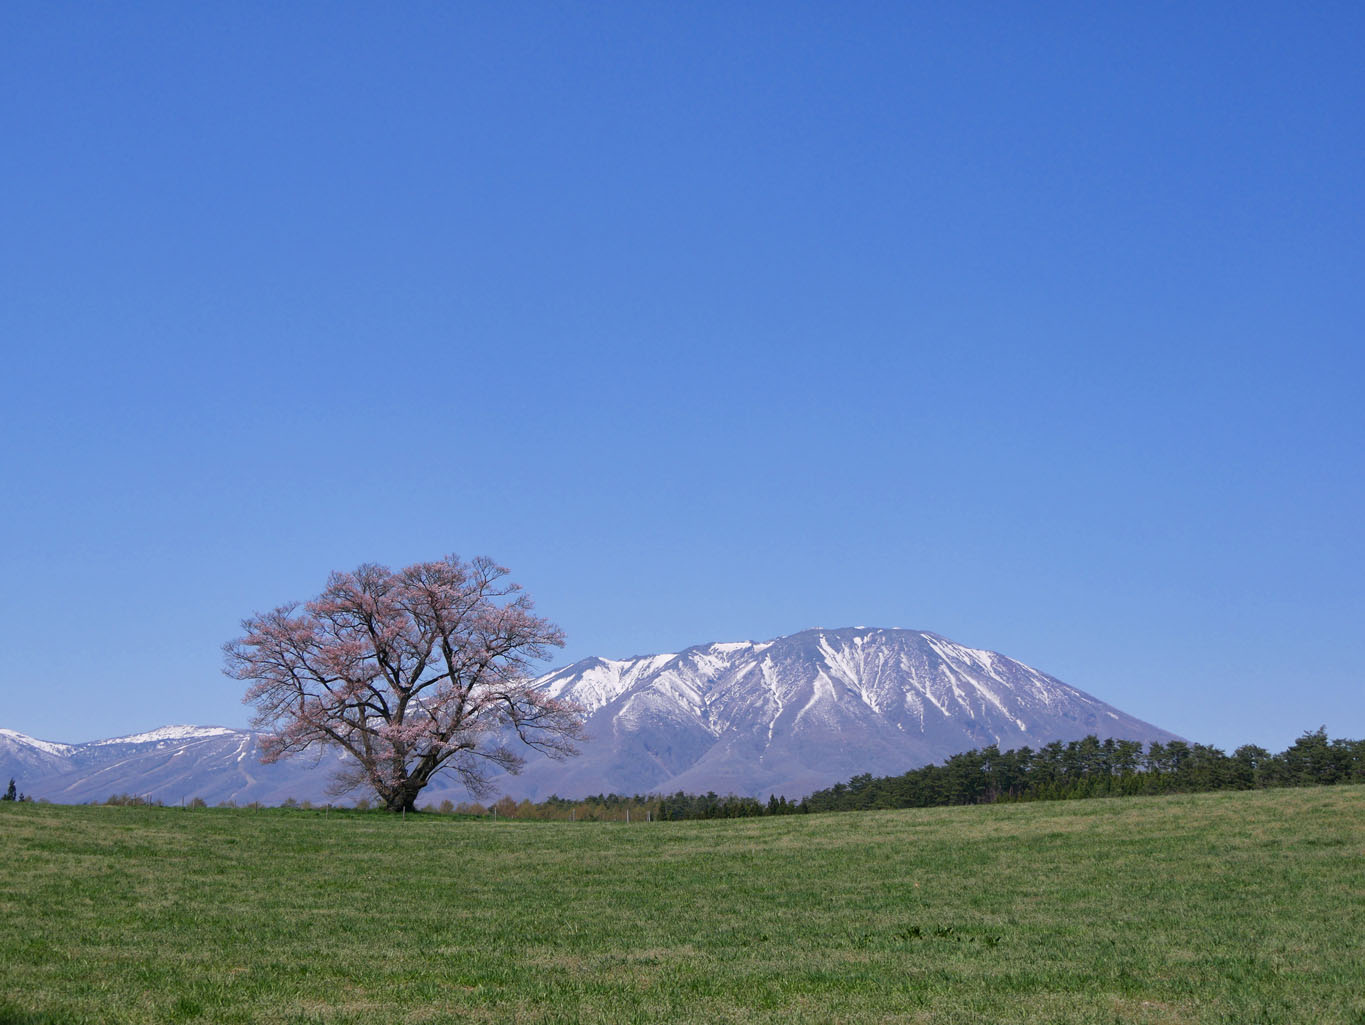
<point x="801" y="711"/>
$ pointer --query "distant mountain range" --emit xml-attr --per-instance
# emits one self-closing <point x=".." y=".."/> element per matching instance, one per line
<point x="785" y="716"/>
<point x="169" y="764"/>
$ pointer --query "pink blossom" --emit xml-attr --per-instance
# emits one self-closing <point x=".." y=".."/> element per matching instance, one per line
<point x="411" y="673"/>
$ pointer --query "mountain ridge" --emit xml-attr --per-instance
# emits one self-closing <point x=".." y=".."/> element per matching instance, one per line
<point x="785" y="716"/>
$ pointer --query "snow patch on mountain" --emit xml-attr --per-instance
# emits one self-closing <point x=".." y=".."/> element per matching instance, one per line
<point x="45" y="746"/>
<point x="167" y="733"/>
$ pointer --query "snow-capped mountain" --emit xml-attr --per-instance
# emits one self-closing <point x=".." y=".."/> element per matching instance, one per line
<point x="23" y="757"/>
<point x="785" y="716"/>
<point x="801" y="712"/>
<point x="169" y="764"/>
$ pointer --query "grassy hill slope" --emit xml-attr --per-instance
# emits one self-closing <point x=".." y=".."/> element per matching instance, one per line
<point x="1230" y="907"/>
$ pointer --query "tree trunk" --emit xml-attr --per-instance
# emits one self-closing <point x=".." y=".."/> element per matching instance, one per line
<point x="402" y="798"/>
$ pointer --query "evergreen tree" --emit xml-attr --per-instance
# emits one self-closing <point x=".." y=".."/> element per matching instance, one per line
<point x="11" y="794"/>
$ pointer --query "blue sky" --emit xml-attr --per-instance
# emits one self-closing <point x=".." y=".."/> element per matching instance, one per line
<point x="1039" y="327"/>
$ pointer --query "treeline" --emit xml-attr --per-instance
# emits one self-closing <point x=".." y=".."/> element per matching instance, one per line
<point x="622" y="808"/>
<point x="1058" y="771"/>
<point x="1096" y="768"/>
<point x="601" y="808"/>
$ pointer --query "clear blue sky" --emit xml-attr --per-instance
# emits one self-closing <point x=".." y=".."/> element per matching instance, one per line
<point x="1038" y="326"/>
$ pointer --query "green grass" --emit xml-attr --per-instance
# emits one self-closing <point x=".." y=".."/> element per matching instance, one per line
<point x="1235" y="907"/>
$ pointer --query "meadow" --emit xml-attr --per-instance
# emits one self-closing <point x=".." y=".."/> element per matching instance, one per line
<point x="1224" y="907"/>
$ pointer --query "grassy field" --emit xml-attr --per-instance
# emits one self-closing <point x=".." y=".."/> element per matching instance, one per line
<point x="1236" y="907"/>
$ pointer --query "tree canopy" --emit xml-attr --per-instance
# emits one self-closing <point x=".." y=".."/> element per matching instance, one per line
<point x="410" y="673"/>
